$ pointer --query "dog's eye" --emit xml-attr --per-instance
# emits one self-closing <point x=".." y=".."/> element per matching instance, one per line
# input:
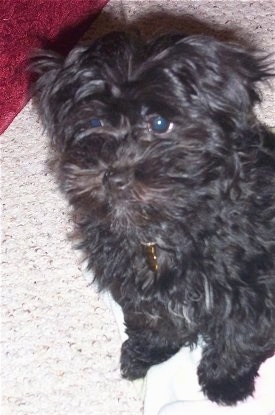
<point x="95" y="123"/>
<point x="159" y="124"/>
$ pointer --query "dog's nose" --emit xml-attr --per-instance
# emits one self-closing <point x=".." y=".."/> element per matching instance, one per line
<point x="117" y="179"/>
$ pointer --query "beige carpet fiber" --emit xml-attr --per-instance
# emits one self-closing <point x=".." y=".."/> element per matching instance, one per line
<point x="60" y="344"/>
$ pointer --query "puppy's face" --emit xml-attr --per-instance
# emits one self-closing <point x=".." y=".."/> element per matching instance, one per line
<point x="144" y="130"/>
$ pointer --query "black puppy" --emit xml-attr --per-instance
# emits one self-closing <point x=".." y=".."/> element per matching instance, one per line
<point x="172" y="179"/>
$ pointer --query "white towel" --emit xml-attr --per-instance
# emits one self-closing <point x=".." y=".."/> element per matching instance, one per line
<point x="171" y="388"/>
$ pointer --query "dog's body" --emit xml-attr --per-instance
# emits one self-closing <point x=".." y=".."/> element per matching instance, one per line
<point x="172" y="180"/>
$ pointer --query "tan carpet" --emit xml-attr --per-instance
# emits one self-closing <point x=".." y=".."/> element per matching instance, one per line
<point x="60" y="345"/>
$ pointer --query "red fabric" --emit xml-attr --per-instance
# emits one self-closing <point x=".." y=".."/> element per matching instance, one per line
<point x="29" y="24"/>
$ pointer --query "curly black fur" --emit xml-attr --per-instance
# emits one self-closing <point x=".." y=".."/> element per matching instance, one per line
<point x="202" y="192"/>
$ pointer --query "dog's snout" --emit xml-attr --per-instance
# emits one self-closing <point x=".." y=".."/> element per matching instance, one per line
<point x="117" y="179"/>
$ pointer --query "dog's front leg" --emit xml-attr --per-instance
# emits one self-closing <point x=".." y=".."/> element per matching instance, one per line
<point x="227" y="375"/>
<point x="143" y="349"/>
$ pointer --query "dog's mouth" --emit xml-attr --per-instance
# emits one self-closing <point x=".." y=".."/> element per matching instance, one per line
<point x="130" y="199"/>
<point x="122" y="191"/>
<point x="130" y="204"/>
<point x="128" y="193"/>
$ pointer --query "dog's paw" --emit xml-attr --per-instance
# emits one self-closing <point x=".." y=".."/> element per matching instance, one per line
<point x="228" y="391"/>
<point x="131" y="364"/>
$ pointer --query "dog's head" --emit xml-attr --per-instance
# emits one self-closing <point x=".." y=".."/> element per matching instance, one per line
<point x="148" y="131"/>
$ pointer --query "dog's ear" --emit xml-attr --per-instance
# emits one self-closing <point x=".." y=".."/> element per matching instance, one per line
<point x="224" y="77"/>
<point x="54" y="89"/>
<point x="45" y="67"/>
<point x="44" y="61"/>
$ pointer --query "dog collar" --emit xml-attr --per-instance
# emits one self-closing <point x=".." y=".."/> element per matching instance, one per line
<point x="150" y="250"/>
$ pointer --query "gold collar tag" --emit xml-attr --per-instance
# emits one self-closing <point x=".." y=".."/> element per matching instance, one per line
<point x="150" y="249"/>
